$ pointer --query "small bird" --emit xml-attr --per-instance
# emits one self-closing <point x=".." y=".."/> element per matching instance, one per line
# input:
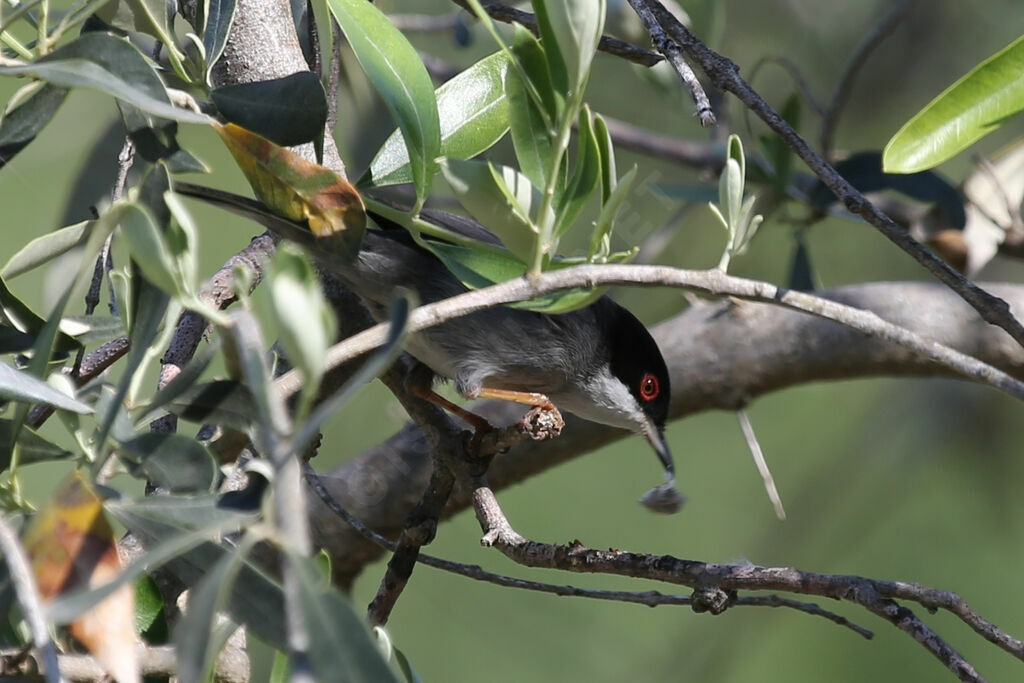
<point x="598" y="362"/>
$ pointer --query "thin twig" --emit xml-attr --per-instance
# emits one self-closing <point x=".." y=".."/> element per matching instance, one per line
<point x="712" y="282"/>
<point x="674" y="55"/>
<point x="724" y="74"/>
<point x="28" y="595"/>
<point x="612" y="46"/>
<point x="762" y="465"/>
<point x="844" y="87"/>
<point x="475" y="572"/>
<point x="705" y="576"/>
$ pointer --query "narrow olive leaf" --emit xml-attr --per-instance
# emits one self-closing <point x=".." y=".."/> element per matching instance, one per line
<point x="381" y="360"/>
<point x="148" y="247"/>
<point x="196" y="648"/>
<point x="256" y="211"/>
<point x="287" y="111"/>
<point x="103" y="62"/>
<point x="398" y="74"/>
<point x="92" y="329"/>
<point x="45" y="248"/>
<point x="21" y="125"/>
<point x="531" y="137"/>
<point x="16" y="385"/>
<point x="149" y="607"/>
<point x="17" y="313"/>
<point x="13" y="340"/>
<point x="584" y="178"/>
<point x="974" y="106"/>
<point x="500" y="198"/>
<point x="473" y="113"/>
<point x="185" y="380"/>
<point x="305" y="321"/>
<point x="576" y="26"/>
<point x="220" y="14"/>
<point x="609" y="174"/>
<point x="340" y="646"/>
<point x="610" y="211"/>
<point x="223" y="402"/>
<point x="173" y="461"/>
<point x="300" y="190"/>
<point x="555" y="60"/>
<point x="477" y="269"/>
<point x="32" y="448"/>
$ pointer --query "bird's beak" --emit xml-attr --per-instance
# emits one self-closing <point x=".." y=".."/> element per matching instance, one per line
<point x="656" y="437"/>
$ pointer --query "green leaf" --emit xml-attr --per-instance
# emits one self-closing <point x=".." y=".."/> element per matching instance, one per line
<point x="473" y="115"/>
<point x="609" y="174"/>
<point x="173" y="461"/>
<point x="584" y="178"/>
<point x="576" y="27"/>
<point x="380" y="361"/>
<point x="149" y="605"/>
<point x="287" y="111"/>
<point x="220" y="15"/>
<point x="16" y="385"/>
<point x="398" y="74"/>
<point x="500" y="198"/>
<point x="17" y="313"/>
<point x="222" y="402"/>
<point x="305" y="321"/>
<point x="32" y="448"/>
<point x="555" y="61"/>
<point x="477" y="269"/>
<point x="531" y="137"/>
<point x="341" y="647"/>
<point x="92" y="329"/>
<point x="148" y="247"/>
<point x="193" y="635"/>
<point x="609" y="212"/>
<point x="103" y="62"/>
<point x="45" y="248"/>
<point x="20" y="125"/>
<point x="974" y="106"/>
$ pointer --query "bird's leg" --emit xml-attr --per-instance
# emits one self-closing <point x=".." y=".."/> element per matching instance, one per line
<point x="543" y="421"/>
<point x="420" y="382"/>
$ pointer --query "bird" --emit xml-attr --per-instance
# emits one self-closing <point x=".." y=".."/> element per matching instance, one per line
<point x="598" y="362"/>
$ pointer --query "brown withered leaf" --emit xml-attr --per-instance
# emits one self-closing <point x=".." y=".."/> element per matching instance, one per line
<point x="71" y="545"/>
<point x="300" y="190"/>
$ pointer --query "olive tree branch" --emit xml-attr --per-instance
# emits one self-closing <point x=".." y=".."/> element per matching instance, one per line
<point x="715" y="583"/>
<point x="711" y="282"/>
<point x="724" y="74"/>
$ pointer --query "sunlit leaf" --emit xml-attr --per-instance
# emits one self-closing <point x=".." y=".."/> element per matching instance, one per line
<point x="300" y="190"/>
<point x="477" y="269"/>
<point x="109" y="64"/>
<point x="585" y="176"/>
<point x="971" y="108"/>
<point x="398" y="74"/>
<point x="575" y="26"/>
<point x="531" y="136"/>
<point x="500" y="198"/>
<point x="473" y="114"/>
<point x="16" y="385"/>
<point x="45" y="248"/>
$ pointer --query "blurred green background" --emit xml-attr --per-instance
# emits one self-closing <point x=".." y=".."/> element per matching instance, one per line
<point x="916" y="480"/>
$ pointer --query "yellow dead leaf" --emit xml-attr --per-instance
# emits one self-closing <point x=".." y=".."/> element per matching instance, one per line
<point x="71" y="545"/>
<point x="299" y="190"/>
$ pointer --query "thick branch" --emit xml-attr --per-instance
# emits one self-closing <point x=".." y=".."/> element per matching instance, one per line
<point x="721" y="356"/>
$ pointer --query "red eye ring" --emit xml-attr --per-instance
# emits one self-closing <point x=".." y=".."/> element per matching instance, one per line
<point x="649" y="388"/>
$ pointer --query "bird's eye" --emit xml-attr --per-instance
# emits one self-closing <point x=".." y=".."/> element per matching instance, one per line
<point x="649" y="387"/>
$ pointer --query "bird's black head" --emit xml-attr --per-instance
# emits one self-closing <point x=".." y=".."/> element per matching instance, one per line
<point x="636" y="361"/>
